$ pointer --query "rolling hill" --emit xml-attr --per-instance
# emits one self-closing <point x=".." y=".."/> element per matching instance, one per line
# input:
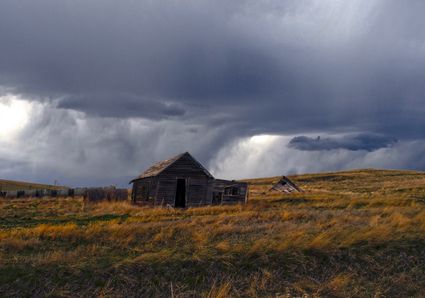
<point x="19" y="185"/>
<point x="349" y="234"/>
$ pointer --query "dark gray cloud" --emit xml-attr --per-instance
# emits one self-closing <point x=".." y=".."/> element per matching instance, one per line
<point x="364" y="141"/>
<point x="122" y="105"/>
<point x="278" y="60"/>
<point x="9" y="168"/>
<point x="152" y="78"/>
<point x="186" y="52"/>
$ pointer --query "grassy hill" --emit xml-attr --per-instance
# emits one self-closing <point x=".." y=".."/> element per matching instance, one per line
<point x="18" y="185"/>
<point x="350" y="234"/>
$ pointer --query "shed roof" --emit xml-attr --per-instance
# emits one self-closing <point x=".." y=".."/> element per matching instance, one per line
<point x="157" y="168"/>
<point x="285" y="185"/>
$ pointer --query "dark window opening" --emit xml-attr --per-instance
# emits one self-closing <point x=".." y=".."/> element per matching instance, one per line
<point x="231" y="191"/>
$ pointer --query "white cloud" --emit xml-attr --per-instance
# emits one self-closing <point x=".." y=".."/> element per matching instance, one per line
<point x="14" y="114"/>
<point x="78" y="149"/>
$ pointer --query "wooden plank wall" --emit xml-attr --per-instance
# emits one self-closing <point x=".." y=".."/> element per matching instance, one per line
<point x="220" y="186"/>
<point x="197" y="183"/>
<point x="160" y="190"/>
<point x="144" y="191"/>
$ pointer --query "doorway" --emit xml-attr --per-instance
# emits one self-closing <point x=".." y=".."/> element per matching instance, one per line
<point x="180" y="201"/>
<point x="217" y="198"/>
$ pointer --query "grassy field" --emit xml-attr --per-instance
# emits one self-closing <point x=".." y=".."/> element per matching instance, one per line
<point x="6" y="185"/>
<point x="350" y="234"/>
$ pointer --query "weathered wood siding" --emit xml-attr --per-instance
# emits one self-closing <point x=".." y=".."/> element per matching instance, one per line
<point x="197" y="183"/>
<point x="144" y="191"/>
<point x="160" y="190"/>
<point x="230" y="192"/>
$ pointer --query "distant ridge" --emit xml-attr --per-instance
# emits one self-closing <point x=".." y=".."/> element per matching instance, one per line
<point x="20" y="185"/>
<point x="369" y="171"/>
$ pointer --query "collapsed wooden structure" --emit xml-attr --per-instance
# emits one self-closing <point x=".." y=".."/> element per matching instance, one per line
<point x="285" y="185"/>
<point x="182" y="181"/>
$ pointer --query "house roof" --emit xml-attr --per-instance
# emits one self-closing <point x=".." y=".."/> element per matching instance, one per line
<point x="157" y="168"/>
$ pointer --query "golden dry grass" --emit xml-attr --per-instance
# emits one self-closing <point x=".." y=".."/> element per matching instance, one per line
<point x="350" y="234"/>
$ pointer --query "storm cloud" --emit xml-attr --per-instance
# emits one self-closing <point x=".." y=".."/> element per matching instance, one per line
<point x="364" y="141"/>
<point x="115" y="86"/>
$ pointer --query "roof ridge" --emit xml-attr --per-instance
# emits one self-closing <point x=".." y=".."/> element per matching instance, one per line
<point x="160" y="166"/>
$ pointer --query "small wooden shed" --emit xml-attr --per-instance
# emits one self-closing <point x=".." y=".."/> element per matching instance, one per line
<point x="181" y="181"/>
<point x="285" y="185"/>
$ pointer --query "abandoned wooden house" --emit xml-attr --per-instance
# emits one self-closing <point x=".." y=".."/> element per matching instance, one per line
<point x="285" y="185"/>
<point x="182" y="181"/>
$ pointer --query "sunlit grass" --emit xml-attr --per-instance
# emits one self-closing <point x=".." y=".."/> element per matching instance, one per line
<point x="358" y="233"/>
